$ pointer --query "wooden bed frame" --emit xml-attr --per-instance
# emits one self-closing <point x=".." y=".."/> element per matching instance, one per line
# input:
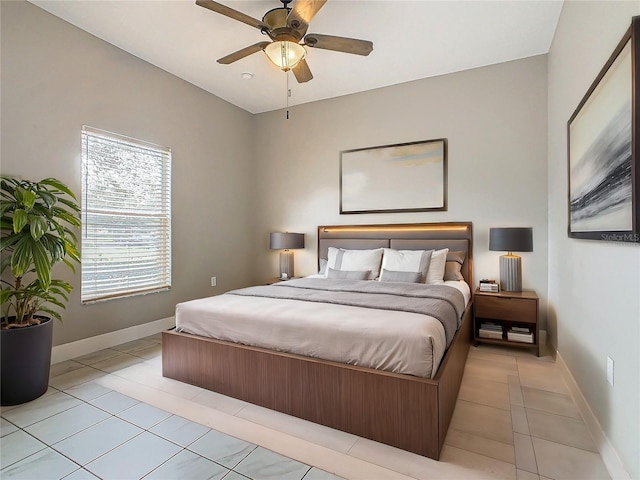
<point x="404" y="411"/>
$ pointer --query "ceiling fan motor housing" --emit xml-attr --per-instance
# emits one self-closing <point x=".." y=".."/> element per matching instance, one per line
<point x="278" y="31"/>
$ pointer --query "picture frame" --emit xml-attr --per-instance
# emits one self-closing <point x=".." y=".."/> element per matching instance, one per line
<point x="405" y="177"/>
<point x="603" y="150"/>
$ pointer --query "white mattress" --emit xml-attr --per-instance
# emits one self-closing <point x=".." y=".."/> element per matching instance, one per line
<point x="400" y="342"/>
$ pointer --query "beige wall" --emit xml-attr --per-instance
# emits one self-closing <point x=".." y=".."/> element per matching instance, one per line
<point x="55" y="78"/>
<point x="594" y="287"/>
<point x="495" y="121"/>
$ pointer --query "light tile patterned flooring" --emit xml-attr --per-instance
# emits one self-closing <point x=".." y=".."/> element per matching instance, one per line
<point x="111" y="414"/>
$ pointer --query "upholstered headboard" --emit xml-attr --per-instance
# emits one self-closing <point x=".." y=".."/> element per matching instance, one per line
<point x="456" y="236"/>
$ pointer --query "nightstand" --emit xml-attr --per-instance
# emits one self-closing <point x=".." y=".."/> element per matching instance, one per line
<point x="504" y="318"/>
<point x="273" y="280"/>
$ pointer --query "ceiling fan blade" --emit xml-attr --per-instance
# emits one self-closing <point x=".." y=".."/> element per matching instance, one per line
<point x="302" y="72"/>
<point x="339" y="44"/>
<point x="302" y="13"/>
<point x="231" y="13"/>
<point x="245" y="52"/>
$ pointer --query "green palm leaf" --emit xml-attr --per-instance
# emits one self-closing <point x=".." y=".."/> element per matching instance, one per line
<point x="48" y="198"/>
<point x="8" y="241"/>
<point x="21" y="259"/>
<point x="37" y="225"/>
<point x="72" y="205"/>
<point x="26" y="197"/>
<point x="58" y="185"/>
<point x="42" y="263"/>
<point x="53" y="313"/>
<point x="20" y="219"/>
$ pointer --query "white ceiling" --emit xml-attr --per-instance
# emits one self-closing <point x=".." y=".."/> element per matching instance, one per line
<point x="412" y="40"/>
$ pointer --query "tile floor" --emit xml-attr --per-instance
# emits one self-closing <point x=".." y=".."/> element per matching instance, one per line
<point x="111" y="414"/>
<point x="89" y="431"/>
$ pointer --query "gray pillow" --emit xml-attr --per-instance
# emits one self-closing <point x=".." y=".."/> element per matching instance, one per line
<point x="454" y="265"/>
<point x="406" y="277"/>
<point x="348" y="274"/>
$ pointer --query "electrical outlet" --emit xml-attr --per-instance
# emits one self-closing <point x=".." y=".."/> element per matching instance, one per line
<point x="214" y="281"/>
<point x="610" y="370"/>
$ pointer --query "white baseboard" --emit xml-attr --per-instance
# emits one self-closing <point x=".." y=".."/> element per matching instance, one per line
<point x="67" y="351"/>
<point x="607" y="452"/>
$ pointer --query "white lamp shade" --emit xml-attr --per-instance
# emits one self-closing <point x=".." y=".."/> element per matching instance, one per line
<point x="285" y="55"/>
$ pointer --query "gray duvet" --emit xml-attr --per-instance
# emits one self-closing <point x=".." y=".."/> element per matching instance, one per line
<point x="439" y="301"/>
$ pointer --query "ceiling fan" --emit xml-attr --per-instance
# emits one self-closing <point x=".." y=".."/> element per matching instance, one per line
<point x="286" y="27"/>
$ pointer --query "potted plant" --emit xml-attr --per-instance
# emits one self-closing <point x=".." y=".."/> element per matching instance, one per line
<point x="37" y="221"/>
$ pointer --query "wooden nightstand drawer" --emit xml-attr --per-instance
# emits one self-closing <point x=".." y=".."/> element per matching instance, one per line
<point x="506" y="311"/>
<point x="506" y="308"/>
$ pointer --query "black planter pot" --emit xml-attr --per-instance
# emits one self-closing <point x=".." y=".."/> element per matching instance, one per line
<point x="25" y="355"/>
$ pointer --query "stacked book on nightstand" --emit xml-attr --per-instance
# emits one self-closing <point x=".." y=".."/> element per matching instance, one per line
<point x="490" y="330"/>
<point x="520" y="334"/>
<point x="489" y="286"/>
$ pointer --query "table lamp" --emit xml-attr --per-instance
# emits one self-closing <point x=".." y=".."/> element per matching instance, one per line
<point x="514" y="239"/>
<point x="285" y="242"/>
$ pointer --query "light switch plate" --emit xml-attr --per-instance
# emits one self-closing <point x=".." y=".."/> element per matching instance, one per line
<point x="610" y="370"/>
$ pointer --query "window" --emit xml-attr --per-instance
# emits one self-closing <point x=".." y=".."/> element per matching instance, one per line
<point x="126" y="216"/>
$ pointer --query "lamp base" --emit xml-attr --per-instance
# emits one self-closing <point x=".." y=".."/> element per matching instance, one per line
<point x="511" y="273"/>
<point x="286" y="264"/>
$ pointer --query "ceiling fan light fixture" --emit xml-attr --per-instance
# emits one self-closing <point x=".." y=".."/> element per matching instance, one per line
<point x="284" y="54"/>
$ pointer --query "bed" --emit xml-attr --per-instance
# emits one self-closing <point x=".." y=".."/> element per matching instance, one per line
<point x="408" y="411"/>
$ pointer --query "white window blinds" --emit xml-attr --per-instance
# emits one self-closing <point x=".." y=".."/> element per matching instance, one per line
<point x="126" y="216"/>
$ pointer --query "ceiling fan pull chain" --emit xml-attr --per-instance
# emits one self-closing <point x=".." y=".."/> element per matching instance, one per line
<point x="288" y="93"/>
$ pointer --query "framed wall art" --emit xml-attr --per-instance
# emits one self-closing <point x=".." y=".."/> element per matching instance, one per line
<point x="408" y="177"/>
<point x="603" y="156"/>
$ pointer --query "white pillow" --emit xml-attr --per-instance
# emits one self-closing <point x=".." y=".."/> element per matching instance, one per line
<point x="332" y="253"/>
<point x="407" y="261"/>
<point x="323" y="266"/>
<point x="436" y="267"/>
<point x="358" y="260"/>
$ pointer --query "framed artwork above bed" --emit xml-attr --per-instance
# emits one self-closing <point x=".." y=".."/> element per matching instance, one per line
<point x="407" y="177"/>
<point x="603" y="150"/>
